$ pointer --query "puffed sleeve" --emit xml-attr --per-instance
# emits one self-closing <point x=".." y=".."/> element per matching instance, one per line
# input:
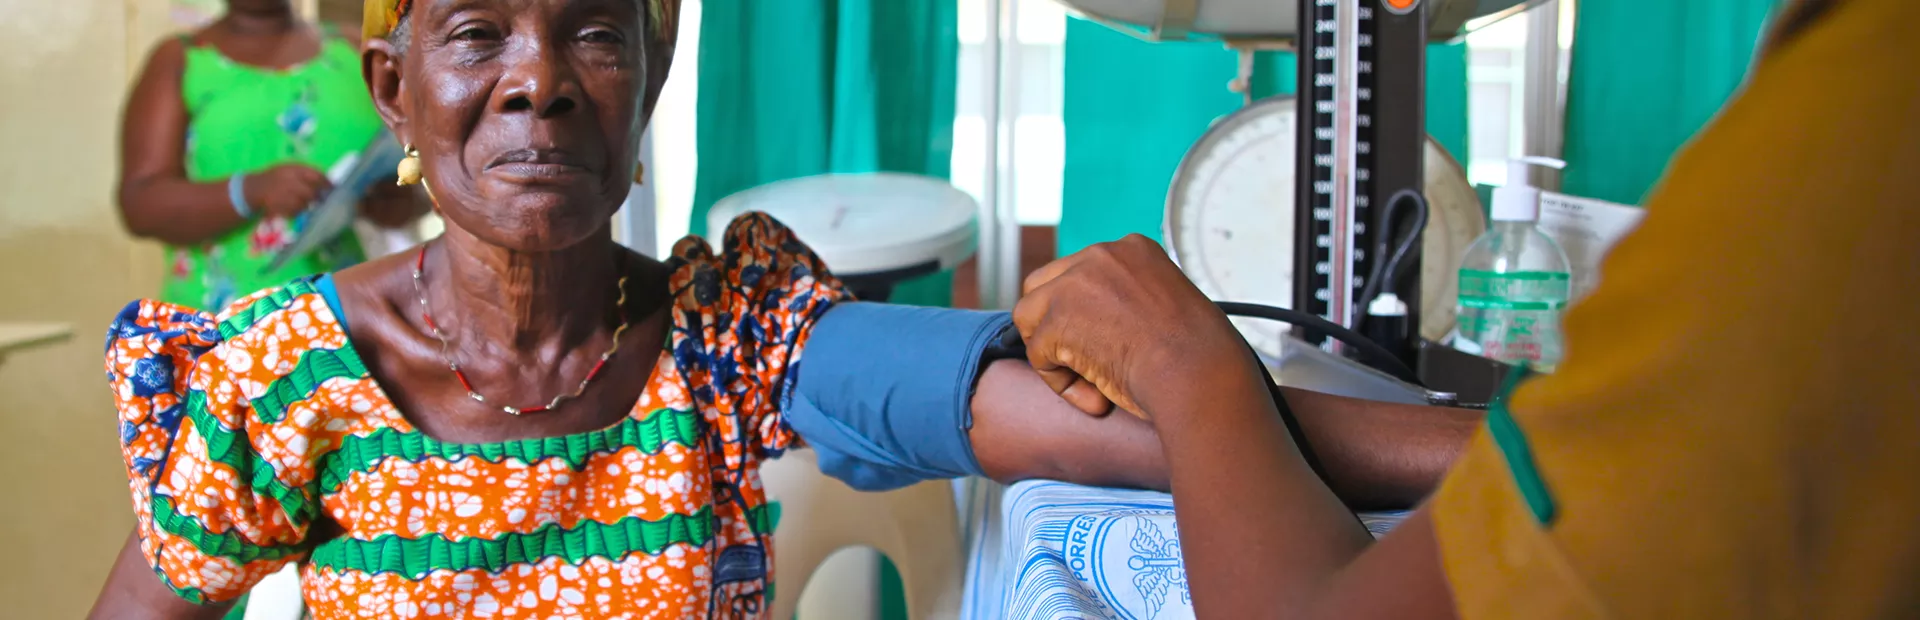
<point x="746" y="315"/>
<point x="213" y="518"/>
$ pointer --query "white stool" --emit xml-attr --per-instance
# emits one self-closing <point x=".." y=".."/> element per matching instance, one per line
<point x="873" y="230"/>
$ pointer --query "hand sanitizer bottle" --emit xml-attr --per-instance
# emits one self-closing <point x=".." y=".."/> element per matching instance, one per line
<point x="1515" y="281"/>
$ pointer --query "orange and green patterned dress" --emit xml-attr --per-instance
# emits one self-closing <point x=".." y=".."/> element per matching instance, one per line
<point x="242" y="430"/>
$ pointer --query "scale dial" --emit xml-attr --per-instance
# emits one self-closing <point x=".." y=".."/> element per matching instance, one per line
<point x="1230" y="215"/>
<point x="1230" y="220"/>
<point x="1454" y="221"/>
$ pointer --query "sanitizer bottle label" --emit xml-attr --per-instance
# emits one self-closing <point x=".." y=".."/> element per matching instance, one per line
<point x="1515" y="316"/>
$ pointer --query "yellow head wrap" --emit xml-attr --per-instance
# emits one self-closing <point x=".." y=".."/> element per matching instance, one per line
<point x="380" y="17"/>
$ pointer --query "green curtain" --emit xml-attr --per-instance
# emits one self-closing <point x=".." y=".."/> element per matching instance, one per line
<point x="1447" y="98"/>
<point x="793" y="88"/>
<point x="1646" y="75"/>
<point x="1131" y="109"/>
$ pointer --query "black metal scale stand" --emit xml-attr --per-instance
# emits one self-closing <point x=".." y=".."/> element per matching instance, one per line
<point x="1362" y="96"/>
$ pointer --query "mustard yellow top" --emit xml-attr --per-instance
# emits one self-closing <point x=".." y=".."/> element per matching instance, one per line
<point x="1735" y="432"/>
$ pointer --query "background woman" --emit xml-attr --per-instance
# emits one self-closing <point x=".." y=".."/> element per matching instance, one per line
<point x="224" y="141"/>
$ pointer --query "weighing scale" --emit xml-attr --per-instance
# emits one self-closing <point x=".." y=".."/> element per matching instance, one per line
<point x="1307" y="208"/>
<point x="1225" y="230"/>
<point x="1274" y="20"/>
<point x="875" y="230"/>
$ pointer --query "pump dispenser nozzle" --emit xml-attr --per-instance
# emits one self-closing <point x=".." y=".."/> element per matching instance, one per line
<point x="1519" y="200"/>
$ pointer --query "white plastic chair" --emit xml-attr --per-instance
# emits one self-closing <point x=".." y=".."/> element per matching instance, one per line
<point x="917" y="527"/>
<point x="277" y="597"/>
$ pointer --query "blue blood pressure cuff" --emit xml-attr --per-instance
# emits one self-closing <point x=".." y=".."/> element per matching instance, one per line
<point x="883" y="393"/>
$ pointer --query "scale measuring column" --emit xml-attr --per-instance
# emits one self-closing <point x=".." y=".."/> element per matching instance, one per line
<point x="1361" y="143"/>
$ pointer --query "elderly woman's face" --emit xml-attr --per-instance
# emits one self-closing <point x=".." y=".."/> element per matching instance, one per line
<point x="526" y="113"/>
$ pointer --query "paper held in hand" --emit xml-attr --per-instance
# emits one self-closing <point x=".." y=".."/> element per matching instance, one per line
<point x="335" y="213"/>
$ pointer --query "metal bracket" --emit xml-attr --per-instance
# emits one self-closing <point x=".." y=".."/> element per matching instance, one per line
<point x="1176" y="23"/>
<point x="1242" y="83"/>
<point x="1176" y="20"/>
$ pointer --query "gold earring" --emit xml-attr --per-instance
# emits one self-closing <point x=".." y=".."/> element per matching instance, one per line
<point x="409" y="168"/>
<point x="640" y="174"/>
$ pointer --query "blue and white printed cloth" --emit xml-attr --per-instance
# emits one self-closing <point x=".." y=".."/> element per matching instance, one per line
<point x="1044" y="550"/>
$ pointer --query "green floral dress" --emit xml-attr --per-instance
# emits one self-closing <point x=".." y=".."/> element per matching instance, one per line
<point x="246" y="119"/>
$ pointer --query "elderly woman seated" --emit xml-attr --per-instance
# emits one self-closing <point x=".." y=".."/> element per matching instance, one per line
<point x="522" y="418"/>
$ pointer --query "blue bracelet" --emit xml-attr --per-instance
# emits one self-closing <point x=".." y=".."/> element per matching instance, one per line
<point x="237" y="194"/>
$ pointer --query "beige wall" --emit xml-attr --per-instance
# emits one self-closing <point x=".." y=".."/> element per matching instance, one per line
<point x="64" y="68"/>
<point x="63" y="506"/>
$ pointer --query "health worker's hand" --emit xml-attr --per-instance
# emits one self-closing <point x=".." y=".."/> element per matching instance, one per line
<point x="1118" y="324"/>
